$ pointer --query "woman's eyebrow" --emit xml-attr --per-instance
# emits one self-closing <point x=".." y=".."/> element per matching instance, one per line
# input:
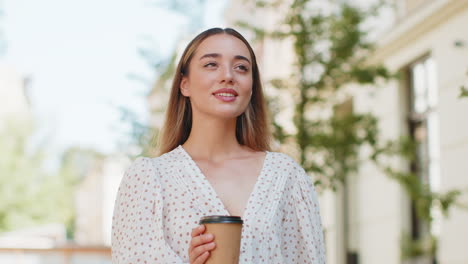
<point x="210" y="55"/>
<point x="217" y="55"/>
<point x="240" y="57"/>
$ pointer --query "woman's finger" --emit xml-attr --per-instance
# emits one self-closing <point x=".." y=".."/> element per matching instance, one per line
<point x="200" y="240"/>
<point x="200" y="245"/>
<point x="198" y="230"/>
<point x="197" y="251"/>
<point x="202" y="258"/>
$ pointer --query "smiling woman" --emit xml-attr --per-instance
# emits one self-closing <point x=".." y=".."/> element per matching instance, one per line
<point x="212" y="60"/>
<point x="215" y="160"/>
<point x="220" y="83"/>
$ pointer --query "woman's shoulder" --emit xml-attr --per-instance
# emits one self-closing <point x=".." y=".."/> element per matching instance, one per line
<point x="286" y="163"/>
<point x="138" y="168"/>
<point x="280" y="159"/>
<point x="154" y="164"/>
<point x="141" y="163"/>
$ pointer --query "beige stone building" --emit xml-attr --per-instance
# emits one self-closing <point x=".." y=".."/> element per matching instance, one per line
<point x="427" y="43"/>
<point x="95" y="198"/>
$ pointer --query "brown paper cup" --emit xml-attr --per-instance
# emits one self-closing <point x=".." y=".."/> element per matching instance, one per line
<point x="227" y="232"/>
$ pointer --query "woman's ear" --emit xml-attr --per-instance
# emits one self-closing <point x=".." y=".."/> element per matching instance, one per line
<point x="184" y="87"/>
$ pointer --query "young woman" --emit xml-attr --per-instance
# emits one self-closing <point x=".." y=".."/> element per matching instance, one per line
<point x="216" y="160"/>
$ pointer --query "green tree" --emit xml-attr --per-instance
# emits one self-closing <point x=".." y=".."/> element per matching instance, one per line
<point x="332" y="51"/>
<point x="29" y="195"/>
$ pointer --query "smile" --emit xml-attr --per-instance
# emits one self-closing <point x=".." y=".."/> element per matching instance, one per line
<point x="225" y="94"/>
<point x="225" y="97"/>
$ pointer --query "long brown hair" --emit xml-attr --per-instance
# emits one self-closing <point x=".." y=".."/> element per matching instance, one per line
<point x="251" y="126"/>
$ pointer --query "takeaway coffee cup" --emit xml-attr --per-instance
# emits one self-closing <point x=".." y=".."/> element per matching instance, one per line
<point x="227" y="232"/>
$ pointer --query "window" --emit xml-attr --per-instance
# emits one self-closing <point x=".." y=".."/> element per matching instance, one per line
<point x="348" y="202"/>
<point x="424" y="129"/>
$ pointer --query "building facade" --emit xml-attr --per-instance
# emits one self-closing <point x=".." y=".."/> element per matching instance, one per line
<point x="366" y="221"/>
<point x="429" y="48"/>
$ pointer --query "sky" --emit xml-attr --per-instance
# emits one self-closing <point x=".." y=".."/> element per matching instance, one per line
<point x="79" y="54"/>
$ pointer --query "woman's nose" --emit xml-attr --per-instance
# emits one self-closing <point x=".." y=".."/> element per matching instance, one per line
<point x="226" y="74"/>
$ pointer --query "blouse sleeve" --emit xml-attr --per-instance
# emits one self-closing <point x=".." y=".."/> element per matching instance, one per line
<point x="310" y="243"/>
<point x="137" y="232"/>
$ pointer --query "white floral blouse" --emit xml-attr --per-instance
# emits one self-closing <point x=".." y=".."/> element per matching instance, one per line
<point x="160" y="201"/>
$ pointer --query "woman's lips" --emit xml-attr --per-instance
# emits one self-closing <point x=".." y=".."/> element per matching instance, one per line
<point x="225" y="97"/>
<point x="226" y="94"/>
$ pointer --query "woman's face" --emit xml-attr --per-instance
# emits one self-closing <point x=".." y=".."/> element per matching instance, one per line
<point x="219" y="81"/>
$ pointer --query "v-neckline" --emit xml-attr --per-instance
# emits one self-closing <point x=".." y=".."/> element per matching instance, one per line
<point x="205" y="181"/>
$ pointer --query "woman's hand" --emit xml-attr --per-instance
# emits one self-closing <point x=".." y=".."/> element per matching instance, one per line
<point x="200" y="245"/>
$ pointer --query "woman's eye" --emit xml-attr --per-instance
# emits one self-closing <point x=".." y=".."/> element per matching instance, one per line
<point x="243" y="68"/>
<point x="211" y="64"/>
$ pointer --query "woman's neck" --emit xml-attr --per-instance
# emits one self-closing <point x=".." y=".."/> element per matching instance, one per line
<point x="213" y="139"/>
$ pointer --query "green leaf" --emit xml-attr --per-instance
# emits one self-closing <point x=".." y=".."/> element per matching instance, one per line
<point x="463" y="92"/>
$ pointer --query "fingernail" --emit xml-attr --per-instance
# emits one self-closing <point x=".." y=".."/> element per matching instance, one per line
<point x="209" y="236"/>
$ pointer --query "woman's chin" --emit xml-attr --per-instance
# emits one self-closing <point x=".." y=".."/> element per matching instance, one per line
<point x="227" y="111"/>
<point x="226" y="114"/>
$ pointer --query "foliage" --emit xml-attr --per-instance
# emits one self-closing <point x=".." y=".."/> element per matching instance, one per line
<point x="331" y="51"/>
<point x="141" y="134"/>
<point x="335" y="141"/>
<point x="142" y="137"/>
<point x="29" y="195"/>
<point x="463" y="91"/>
<point x="414" y="248"/>
<point x="419" y="192"/>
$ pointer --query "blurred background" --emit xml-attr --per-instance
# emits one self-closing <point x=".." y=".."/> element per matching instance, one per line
<point x="369" y="96"/>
